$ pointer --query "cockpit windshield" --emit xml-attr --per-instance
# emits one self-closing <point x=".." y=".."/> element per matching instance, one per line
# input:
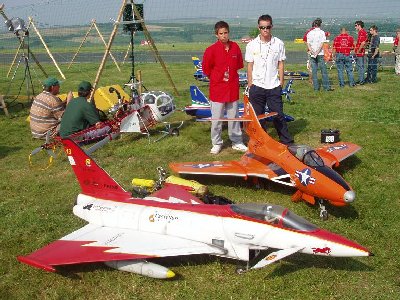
<point x="307" y="155"/>
<point x="273" y="214"/>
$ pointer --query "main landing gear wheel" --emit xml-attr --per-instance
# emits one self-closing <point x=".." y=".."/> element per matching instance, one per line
<point x="323" y="213"/>
<point x="240" y="271"/>
<point x="174" y="131"/>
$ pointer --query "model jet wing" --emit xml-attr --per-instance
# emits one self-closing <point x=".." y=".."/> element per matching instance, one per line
<point x="93" y="243"/>
<point x="248" y="165"/>
<point x="332" y="154"/>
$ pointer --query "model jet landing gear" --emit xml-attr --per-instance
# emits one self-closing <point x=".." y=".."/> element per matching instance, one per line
<point x="323" y="213"/>
<point x="254" y="257"/>
<point x="169" y="131"/>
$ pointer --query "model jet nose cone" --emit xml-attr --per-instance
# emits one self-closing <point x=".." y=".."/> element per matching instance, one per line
<point x="349" y="196"/>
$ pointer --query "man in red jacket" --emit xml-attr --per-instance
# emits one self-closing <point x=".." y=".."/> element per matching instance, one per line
<point x="221" y="62"/>
<point x="359" y="50"/>
<point x="342" y="46"/>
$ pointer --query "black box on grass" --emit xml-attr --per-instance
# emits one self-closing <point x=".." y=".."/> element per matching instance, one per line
<point x="330" y="135"/>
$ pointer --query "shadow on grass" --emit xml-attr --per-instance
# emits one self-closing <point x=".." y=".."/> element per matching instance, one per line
<point x="288" y="265"/>
<point x="5" y="150"/>
<point x="349" y="164"/>
<point x="71" y="271"/>
<point x="345" y="212"/>
<point x="297" y="126"/>
<point x="298" y="261"/>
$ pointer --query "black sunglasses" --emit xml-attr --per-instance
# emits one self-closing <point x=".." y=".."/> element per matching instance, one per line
<point x="265" y="27"/>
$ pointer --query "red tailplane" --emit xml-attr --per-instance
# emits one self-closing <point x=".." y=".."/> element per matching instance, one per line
<point x="94" y="181"/>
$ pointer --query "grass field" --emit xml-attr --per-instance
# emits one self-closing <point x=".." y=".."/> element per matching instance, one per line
<point x="36" y="205"/>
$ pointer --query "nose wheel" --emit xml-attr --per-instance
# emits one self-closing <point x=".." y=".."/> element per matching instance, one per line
<point x="323" y="213"/>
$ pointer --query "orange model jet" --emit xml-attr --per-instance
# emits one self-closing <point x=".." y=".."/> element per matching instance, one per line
<point x="307" y="170"/>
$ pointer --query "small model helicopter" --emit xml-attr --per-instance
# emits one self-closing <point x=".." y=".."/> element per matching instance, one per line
<point x="307" y="170"/>
<point x="126" y="232"/>
<point x="201" y="106"/>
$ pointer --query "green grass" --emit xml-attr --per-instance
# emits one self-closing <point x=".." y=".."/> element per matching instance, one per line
<point x="35" y="205"/>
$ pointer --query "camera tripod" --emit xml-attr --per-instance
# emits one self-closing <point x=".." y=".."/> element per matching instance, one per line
<point x="27" y="77"/>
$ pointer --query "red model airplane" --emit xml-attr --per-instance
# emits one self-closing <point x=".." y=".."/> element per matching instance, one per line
<point x="125" y="232"/>
<point x="299" y="166"/>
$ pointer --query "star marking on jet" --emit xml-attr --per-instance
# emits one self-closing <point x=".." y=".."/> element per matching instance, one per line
<point x="305" y="177"/>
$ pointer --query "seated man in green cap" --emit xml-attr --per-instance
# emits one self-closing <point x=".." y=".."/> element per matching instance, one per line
<point x="47" y="110"/>
<point x="81" y="114"/>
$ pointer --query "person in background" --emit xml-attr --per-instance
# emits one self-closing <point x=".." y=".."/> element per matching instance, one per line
<point x="265" y="57"/>
<point x="327" y="34"/>
<point x="315" y="41"/>
<point x="396" y="50"/>
<point x="359" y="50"/>
<point x="221" y="62"/>
<point x="342" y="46"/>
<point x="47" y="110"/>
<point x="79" y="114"/>
<point x="373" y="56"/>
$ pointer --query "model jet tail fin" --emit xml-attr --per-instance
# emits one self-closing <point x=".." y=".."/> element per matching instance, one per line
<point x="197" y="62"/>
<point x="94" y="181"/>
<point x="198" y="97"/>
<point x="260" y="141"/>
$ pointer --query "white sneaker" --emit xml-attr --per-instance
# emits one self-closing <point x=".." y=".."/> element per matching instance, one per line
<point x="216" y="149"/>
<point x="239" y="147"/>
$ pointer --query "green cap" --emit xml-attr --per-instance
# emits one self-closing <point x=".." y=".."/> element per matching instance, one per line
<point x="84" y="86"/>
<point x="51" y="81"/>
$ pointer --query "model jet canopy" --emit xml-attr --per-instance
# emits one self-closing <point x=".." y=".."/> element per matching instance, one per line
<point x="307" y="155"/>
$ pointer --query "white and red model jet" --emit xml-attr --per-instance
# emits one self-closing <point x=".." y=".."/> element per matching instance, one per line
<point x="124" y="232"/>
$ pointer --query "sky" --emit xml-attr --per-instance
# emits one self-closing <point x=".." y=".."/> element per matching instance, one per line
<point x="78" y="12"/>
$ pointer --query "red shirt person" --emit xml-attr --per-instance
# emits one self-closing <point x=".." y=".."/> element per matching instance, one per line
<point x="221" y="62"/>
<point x="359" y="50"/>
<point x="342" y="46"/>
<point x="343" y="43"/>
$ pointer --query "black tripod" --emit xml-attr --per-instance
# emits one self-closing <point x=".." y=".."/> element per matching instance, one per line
<point x="24" y="60"/>
<point x="133" y="82"/>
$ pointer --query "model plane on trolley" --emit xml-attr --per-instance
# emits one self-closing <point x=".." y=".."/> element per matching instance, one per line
<point x="126" y="233"/>
<point x="307" y="170"/>
<point x="201" y="106"/>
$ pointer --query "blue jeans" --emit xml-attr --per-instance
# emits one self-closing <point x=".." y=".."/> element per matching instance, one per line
<point x="372" y="69"/>
<point x="344" y="62"/>
<point x="360" y="68"/>
<point x="316" y="63"/>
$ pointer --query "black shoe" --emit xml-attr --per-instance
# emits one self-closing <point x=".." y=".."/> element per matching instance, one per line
<point x="362" y="83"/>
<point x="330" y="90"/>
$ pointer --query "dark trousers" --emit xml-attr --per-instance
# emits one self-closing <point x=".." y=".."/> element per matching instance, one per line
<point x="259" y="98"/>
<point x="372" y="69"/>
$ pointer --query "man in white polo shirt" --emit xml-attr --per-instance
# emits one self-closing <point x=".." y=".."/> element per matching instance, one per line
<point x="265" y="56"/>
<point x="315" y="42"/>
